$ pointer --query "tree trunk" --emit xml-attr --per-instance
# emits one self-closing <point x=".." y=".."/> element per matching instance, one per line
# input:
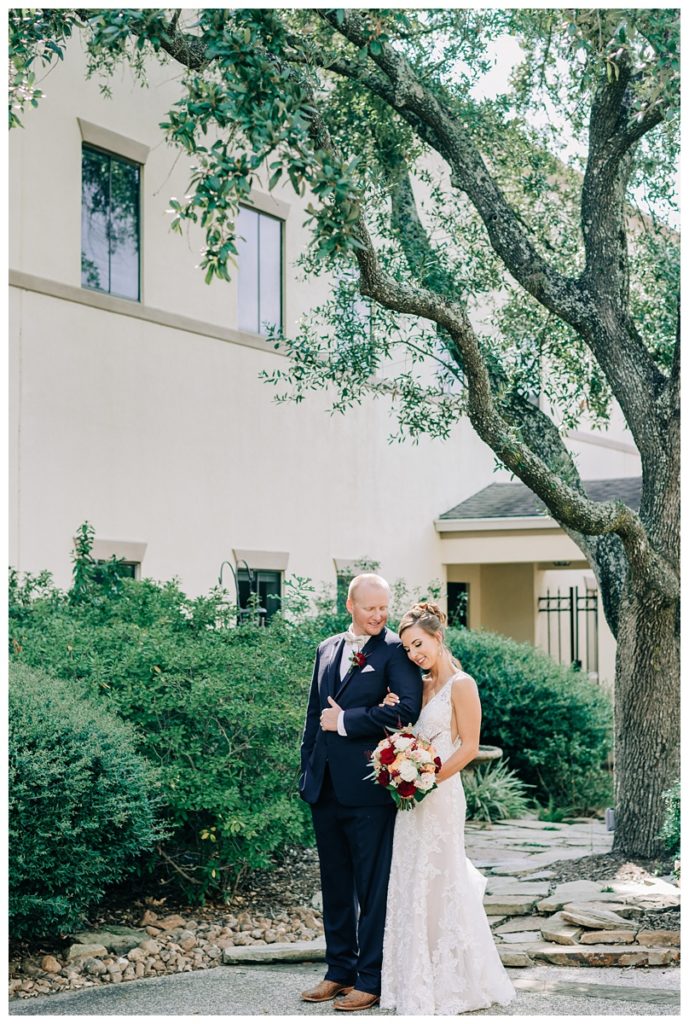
<point x="647" y="719"/>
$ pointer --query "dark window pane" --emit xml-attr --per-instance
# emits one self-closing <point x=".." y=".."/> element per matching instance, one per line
<point x="262" y="594"/>
<point x="110" y="224"/>
<point x="124" y="229"/>
<point x="343" y="581"/>
<point x="458" y="604"/>
<point x="95" y="191"/>
<point x="259" y="281"/>
<point x="106" y="566"/>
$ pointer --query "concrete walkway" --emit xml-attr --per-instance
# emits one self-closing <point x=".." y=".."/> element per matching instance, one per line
<point x="273" y="990"/>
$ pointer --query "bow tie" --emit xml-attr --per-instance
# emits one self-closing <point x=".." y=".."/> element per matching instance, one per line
<point x="351" y="638"/>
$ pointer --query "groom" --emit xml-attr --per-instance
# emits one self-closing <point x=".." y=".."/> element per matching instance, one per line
<point x="354" y="819"/>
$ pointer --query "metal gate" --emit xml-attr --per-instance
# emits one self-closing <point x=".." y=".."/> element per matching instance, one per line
<point x="572" y="628"/>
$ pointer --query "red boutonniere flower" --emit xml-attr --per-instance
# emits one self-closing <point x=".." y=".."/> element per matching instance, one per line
<point x="357" y="660"/>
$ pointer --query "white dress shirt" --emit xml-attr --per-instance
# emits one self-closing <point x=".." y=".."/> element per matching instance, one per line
<point x="345" y="665"/>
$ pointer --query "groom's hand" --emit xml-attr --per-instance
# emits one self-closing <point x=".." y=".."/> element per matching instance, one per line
<point x="329" y="716"/>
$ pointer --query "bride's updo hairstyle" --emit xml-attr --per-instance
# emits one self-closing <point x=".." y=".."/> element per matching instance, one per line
<point x="427" y="616"/>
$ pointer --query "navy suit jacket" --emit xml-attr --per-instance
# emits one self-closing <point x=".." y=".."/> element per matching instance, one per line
<point x="358" y="694"/>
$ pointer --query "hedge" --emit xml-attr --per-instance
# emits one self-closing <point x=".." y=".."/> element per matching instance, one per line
<point x="82" y="803"/>
<point x="218" y="710"/>
<point x="554" y="725"/>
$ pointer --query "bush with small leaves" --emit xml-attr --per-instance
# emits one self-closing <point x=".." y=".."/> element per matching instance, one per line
<point x="82" y="803"/>
<point x="553" y="724"/>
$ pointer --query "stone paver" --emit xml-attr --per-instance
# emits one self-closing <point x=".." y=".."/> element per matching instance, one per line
<point x="604" y="956"/>
<point x="276" y="952"/>
<point x="521" y="937"/>
<point x="591" y="915"/>
<point x="516" y="886"/>
<point x="504" y="903"/>
<point x="519" y="924"/>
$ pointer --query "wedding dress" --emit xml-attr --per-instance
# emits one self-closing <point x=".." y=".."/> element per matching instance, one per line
<point x="439" y="956"/>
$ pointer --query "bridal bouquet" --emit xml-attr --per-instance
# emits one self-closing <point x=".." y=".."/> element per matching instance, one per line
<point x="406" y="765"/>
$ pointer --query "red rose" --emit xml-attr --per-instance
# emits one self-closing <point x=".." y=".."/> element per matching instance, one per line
<point x="409" y="735"/>
<point x="383" y="778"/>
<point x="438" y="762"/>
<point x="358" y="659"/>
<point x="387" y="755"/>
<point x="406" y="789"/>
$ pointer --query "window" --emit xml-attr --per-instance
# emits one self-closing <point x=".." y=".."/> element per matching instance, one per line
<point x="260" y="593"/>
<point x="458" y="604"/>
<point x="125" y="570"/>
<point x="343" y="581"/>
<point x="110" y="199"/>
<point x="345" y="571"/>
<point x="259" y="244"/>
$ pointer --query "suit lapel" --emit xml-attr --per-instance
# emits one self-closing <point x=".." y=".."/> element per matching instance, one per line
<point x="367" y="648"/>
<point x="332" y="681"/>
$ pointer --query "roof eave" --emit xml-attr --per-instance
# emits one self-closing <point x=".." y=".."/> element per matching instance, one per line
<point x="505" y="523"/>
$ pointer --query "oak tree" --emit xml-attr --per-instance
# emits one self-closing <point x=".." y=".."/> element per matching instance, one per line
<point x="515" y="282"/>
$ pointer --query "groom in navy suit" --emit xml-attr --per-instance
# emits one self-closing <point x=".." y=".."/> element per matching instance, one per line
<point x="353" y="818"/>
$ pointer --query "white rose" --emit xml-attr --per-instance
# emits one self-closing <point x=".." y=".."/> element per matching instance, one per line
<point x="422" y="756"/>
<point x="426" y="782"/>
<point x="402" y="742"/>
<point x="408" y="771"/>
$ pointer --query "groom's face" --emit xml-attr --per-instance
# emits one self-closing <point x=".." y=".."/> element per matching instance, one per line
<point x="368" y="607"/>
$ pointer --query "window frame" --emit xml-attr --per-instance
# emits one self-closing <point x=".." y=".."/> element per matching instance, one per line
<point x="95" y="148"/>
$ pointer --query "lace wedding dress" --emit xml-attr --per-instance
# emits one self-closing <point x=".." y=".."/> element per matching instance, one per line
<point x="438" y="956"/>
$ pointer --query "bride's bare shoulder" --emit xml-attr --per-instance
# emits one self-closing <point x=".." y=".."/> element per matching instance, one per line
<point x="463" y="683"/>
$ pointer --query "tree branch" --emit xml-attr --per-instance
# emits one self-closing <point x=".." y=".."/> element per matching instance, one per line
<point x="436" y="124"/>
<point x="634" y="378"/>
<point x="570" y="507"/>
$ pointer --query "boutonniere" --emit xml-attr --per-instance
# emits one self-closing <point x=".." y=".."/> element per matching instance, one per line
<point x="357" y="659"/>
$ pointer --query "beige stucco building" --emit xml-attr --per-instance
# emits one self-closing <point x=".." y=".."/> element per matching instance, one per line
<point x="136" y="402"/>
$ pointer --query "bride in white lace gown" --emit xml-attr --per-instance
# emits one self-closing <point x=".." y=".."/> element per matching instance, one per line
<point x="439" y="956"/>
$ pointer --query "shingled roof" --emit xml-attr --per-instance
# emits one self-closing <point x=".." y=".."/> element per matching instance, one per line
<point x="500" y="501"/>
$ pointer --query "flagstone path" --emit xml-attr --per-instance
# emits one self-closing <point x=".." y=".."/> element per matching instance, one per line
<point x="573" y="924"/>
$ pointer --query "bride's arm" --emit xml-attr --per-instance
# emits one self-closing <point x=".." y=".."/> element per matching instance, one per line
<point x="466" y="706"/>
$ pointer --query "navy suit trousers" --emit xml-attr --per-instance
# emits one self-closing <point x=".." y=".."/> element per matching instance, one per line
<point x="355" y="850"/>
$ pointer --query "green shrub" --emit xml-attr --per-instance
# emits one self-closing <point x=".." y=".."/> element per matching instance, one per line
<point x="82" y="804"/>
<point x="553" y="724"/>
<point x="220" y="710"/>
<point x="670" y="833"/>
<point x="494" y="792"/>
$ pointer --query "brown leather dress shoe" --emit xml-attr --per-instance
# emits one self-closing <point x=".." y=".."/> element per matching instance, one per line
<point x="356" y="1000"/>
<point x="326" y="990"/>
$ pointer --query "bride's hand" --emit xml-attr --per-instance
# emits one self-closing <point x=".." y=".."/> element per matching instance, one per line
<point x="391" y="699"/>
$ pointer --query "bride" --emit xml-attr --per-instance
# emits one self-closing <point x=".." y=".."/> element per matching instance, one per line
<point x="438" y="955"/>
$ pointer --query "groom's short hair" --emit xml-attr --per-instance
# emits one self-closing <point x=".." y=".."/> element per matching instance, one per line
<point x="366" y="577"/>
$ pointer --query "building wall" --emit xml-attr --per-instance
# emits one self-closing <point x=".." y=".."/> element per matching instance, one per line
<point x="165" y="436"/>
<point x="150" y="421"/>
